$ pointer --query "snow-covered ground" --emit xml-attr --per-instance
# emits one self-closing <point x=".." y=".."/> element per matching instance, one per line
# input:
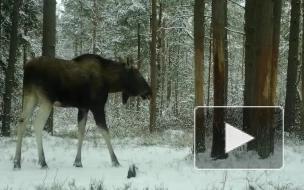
<point x="160" y="166"/>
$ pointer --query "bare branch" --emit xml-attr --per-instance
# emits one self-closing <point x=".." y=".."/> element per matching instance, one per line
<point x="237" y="4"/>
<point x="234" y="31"/>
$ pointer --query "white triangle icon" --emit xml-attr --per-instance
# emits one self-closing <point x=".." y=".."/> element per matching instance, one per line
<point x="235" y="137"/>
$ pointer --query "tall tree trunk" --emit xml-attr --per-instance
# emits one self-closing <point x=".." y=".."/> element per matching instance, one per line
<point x="153" y="69"/>
<point x="218" y="26"/>
<point x="226" y="54"/>
<point x="94" y="25"/>
<point x="249" y="31"/>
<point x="262" y="120"/>
<point x="301" y="132"/>
<point x="49" y="42"/>
<point x="277" y="10"/>
<point x="291" y="90"/>
<point x="199" y="30"/>
<point x="9" y="77"/>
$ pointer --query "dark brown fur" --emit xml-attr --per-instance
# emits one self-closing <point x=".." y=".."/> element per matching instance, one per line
<point x="83" y="83"/>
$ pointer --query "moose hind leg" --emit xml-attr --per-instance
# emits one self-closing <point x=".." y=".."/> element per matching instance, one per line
<point x="82" y="119"/>
<point x="100" y="120"/>
<point x="41" y="118"/>
<point x="29" y="104"/>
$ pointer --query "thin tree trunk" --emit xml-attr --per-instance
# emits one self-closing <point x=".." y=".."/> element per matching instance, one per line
<point x="291" y="90"/>
<point x="76" y="46"/>
<point x="158" y="56"/>
<point x="94" y="25"/>
<point x="132" y="98"/>
<point x="199" y="30"/>
<point x="176" y="78"/>
<point x="24" y="54"/>
<point x="163" y="59"/>
<point x="218" y="26"/>
<point x="209" y="69"/>
<point x="49" y="42"/>
<point x="249" y="31"/>
<point x="153" y="70"/>
<point x="169" y="77"/>
<point x="226" y="55"/>
<point x="243" y="57"/>
<point x="9" y="77"/>
<point x="138" y="60"/>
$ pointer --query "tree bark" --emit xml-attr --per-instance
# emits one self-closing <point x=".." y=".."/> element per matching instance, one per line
<point x="277" y="11"/>
<point x="49" y="42"/>
<point x="262" y="120"/>
<point x="218" y="26"/>
<point x="291" y="90"/>
<point x="153" y="69"/>
<point x="226" y="54"/>
<point x="9" y="77"/>
<point x="249" y="31"/>
<point x="199" y="30"/>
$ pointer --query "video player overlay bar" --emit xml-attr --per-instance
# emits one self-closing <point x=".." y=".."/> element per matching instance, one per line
<point x="237" y="137"/>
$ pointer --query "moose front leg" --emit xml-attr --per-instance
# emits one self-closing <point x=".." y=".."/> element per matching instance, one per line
<point x="100" y="119"/>
<point x="82" y="119"/>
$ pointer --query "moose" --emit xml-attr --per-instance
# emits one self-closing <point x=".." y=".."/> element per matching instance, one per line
<point x="83" y="83"/>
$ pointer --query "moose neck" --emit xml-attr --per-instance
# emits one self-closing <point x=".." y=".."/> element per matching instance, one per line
<point x="116" y="81"/>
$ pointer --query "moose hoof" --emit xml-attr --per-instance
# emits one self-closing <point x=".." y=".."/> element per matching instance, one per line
<point x="43" y="165"/>
<point x="17" y="166"/>
<point x="78" y="164"/>
<point x="116" y="164"/>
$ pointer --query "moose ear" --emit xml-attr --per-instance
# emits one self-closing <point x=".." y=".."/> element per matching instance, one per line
<point x="125" y="97"/>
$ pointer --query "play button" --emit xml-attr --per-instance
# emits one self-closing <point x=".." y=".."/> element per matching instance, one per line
<point x="235" y="137"/>
<point x="231" y="141"/>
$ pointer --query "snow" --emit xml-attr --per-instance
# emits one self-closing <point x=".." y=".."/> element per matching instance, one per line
<point x="159" y="166"/>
